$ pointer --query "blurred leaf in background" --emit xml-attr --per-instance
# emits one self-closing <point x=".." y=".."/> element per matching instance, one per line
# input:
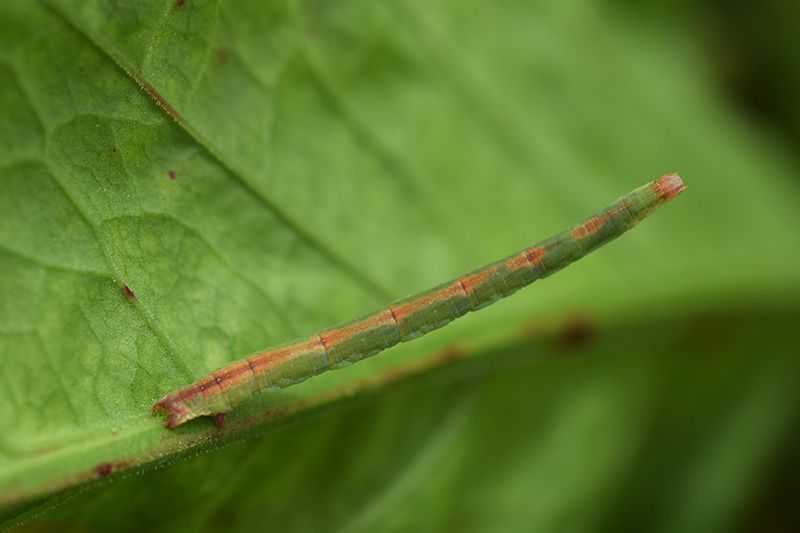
<point x="187" y="182"/>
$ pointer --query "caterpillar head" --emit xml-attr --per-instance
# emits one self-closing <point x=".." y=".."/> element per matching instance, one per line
<point x="175" y="408"/>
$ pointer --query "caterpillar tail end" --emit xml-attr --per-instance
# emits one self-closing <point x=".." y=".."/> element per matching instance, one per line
<point x="172" y="404"/>
<point x="671" y="185"/>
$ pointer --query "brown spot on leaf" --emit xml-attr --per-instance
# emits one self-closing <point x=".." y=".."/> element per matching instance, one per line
<point x="222" y="57"/>
<point x="180" y="3"/>
<point x="578" y="332"/>
<point x="128" y="292"/>
<point x="103" y="469"/>
<point x="172" y="174"/>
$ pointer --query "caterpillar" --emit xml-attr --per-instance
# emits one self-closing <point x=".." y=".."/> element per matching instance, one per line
<point x="411" y="317"/>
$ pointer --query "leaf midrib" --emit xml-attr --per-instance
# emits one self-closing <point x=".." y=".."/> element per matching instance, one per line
<point x="359" y="277"/>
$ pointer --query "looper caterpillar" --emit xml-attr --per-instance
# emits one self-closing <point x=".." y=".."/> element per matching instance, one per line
<point x="411" y="317"/>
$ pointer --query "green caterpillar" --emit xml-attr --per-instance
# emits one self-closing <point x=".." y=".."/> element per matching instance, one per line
<point x="411" y="317"/>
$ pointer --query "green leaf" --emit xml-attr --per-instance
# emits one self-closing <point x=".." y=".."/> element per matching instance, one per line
<point x="188" y="182"/>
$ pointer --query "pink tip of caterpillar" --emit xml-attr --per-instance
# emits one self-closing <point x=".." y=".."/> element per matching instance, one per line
<point x="671" y="185"/>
